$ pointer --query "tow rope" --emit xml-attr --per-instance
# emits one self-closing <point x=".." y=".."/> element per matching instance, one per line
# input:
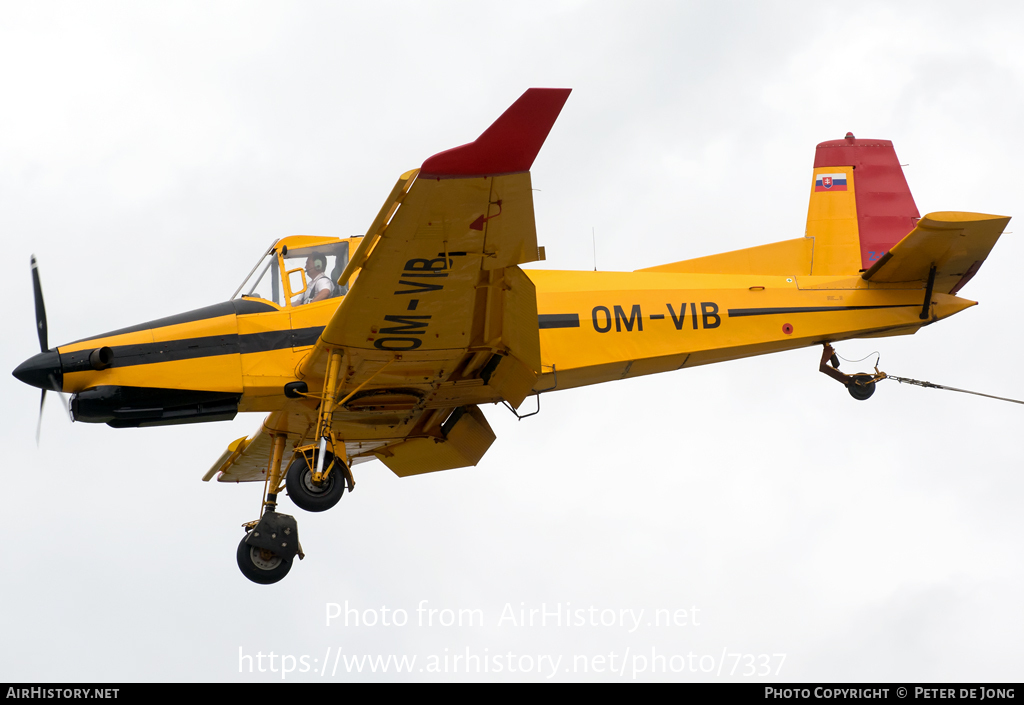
<point x="930" y="385"/>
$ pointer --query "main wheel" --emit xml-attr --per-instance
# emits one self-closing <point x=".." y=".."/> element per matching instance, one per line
<point x="260" y="565"/>
<point x="313" y="496"/>
<point x="861" y="387"/>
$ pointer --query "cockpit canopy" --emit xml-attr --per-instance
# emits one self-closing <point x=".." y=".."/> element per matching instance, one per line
<point x="281" y="277"/>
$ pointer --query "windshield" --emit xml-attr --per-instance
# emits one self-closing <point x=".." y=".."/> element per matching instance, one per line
<point x="264" y="282"/>
<point x="284" y="275"/>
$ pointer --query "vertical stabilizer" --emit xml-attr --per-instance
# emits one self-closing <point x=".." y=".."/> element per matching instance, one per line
<point x="860" y="205"/>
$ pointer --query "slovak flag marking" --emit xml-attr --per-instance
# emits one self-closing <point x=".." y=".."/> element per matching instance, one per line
<point x="830" y="182"/>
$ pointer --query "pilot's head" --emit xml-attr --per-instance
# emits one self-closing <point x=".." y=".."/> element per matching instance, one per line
<point x="316" y="264"/>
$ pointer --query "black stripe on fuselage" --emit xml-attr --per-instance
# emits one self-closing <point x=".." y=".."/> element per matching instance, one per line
<point x="558" y="320"/>
<point x="737" y="312"/>
<point x="238" y="307"/>
<point x="207" y="346"/>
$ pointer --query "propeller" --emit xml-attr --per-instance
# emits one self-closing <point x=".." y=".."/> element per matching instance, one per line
<point x="37" y="290"/>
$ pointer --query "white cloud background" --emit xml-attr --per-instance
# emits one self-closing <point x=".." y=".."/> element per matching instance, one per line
<point x="149" y="152"/>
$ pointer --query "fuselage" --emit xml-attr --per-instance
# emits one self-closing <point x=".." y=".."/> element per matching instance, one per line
<point x="209" y="364"/>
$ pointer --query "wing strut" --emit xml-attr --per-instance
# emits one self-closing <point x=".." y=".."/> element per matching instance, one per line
<point x="379" y="225"/>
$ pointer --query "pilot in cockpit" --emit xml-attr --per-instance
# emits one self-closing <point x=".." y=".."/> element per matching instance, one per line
<point x="320" y="286"/>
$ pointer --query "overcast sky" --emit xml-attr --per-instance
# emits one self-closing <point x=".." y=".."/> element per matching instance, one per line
<point x="150" y="152"/>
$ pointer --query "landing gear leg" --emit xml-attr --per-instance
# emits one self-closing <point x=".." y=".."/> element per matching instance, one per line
<point x="273" y="484"/>
<point x="319" y="474"/>
<point x="860" y="386"/>
<point x="270" y="545"/>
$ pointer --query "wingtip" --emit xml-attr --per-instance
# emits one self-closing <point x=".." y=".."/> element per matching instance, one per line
<point x="509" y="145"/>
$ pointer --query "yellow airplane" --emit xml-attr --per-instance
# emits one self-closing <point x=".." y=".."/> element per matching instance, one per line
<point x="385" y="346"/>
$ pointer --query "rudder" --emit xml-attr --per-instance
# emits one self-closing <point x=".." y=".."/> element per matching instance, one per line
<point x="860" y="205"/>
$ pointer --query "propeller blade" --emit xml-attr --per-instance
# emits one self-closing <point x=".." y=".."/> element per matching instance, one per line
<point x="37" y="289"/>
<point x="55" y="385"/>
<point x="42" y="401"/>
<point x="39" y="423"/>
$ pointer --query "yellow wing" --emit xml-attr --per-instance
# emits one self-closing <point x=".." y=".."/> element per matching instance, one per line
<point x="439" y="317"/>
<point x="439" y="291"/>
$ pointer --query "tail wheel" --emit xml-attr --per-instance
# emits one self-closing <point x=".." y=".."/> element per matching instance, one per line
<point x="861" y="387"/>
<point x="316" y="496"/>
<point x="260" y="565"/>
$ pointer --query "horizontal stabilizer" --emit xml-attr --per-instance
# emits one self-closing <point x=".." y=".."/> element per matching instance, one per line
<point x="954" y="243"/>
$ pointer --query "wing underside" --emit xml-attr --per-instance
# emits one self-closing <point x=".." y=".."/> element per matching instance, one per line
<point x="247" y="459"/>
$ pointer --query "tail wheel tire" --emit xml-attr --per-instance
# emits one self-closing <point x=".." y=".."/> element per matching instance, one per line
<point x="260" y="565"/>
<point x="313" y="496"/>
<point x="861" y="387"/>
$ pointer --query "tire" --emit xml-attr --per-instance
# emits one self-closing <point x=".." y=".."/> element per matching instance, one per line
<point x="259" y="565"/>
<point x="863" y="390"/>
<point x="311" y="497"/>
